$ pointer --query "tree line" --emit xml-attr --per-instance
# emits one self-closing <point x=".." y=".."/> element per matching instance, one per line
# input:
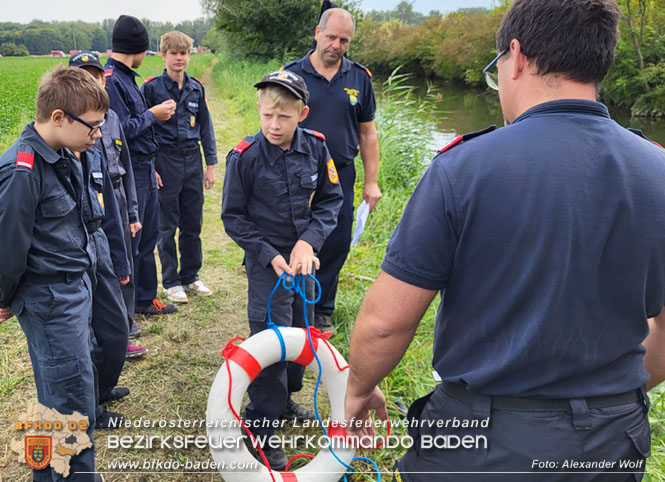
<point x="39" y="38"/>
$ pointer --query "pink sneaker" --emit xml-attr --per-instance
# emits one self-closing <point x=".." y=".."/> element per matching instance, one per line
<point x="135" y="351"/>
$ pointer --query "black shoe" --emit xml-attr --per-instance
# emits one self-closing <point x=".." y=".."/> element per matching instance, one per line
<point x="109" y="420"/>
<point x="293" y="411"/>
<point x="276" y="456"/>
<point x="116" y="394"/>
<point x="324" y="324"/>
<point x="156" y="308"/>
<point x="135" y="332"/>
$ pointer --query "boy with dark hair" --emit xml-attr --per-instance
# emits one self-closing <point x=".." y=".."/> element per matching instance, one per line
<point x="130" y="43"/>
<point x="280" y="201"/>
<point x="46" y="254"/>
<point x="115" y="154"/>
<point x="179" y="167"/>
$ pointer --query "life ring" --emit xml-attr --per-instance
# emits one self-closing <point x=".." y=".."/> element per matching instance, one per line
<point x="245" y="361"/>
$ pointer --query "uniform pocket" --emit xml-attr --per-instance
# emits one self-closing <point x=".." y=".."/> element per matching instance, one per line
<point x="57" y="206"/>
<point x="308" y="180"/>
<point x="640" y="435"/>
<point x="257" y="314"/>
<point x="274" y="188"/>
<point x="63" y="380"/>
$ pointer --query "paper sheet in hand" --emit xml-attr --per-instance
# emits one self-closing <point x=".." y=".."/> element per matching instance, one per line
<point x="361" y="218"/>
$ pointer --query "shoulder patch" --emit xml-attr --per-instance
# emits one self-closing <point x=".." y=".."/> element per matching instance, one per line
<point x="465" y="137"/>
<point x="25" y="159"/>
<point x="314" y="133"/>
<point x="243" y="145"/>
<point x="333" y="177"/>
<point x="361" y="66"/>
<point x="108" y="72"/>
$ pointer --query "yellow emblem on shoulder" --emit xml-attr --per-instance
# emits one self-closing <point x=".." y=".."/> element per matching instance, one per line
<point x="353" y="95"/>
<point x="192" y="120"/>
<point x="100" y="198"/>
<point x="118" y="142"/>
<point x="332" y="172"/>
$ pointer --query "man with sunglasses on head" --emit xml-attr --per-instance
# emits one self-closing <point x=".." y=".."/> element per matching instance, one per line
<point x="546" y="240"/>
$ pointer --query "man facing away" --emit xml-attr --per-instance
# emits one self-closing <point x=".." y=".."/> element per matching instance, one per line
<point x="342" y="107"/>
<point x="546" y="241"/>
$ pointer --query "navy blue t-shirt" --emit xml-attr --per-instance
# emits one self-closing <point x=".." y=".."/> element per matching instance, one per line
<point x="338" y="107"/>
<point x="547" y="241"/>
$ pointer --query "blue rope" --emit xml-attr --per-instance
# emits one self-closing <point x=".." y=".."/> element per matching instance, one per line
<point x="298" y="284"/>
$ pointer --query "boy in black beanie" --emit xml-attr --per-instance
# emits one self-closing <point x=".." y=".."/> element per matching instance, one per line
<point x="130" y="43"/>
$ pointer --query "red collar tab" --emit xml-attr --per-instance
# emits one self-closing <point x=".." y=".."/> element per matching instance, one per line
<point x="241" y="147"/>
<point x="25" y="159"/>
<point x="149" y="79"/>
<point x="108" y="72"/>
<point x="452" y="144"/>
<point x="658" y="145"/>
<point x="314" y="133"/>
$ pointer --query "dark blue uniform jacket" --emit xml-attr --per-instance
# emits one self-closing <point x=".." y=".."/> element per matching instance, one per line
<point x="273" y="198"/>
<point x="128" y="102"/>
<point x="40" y="213"/>
<point x="191" y="123"/>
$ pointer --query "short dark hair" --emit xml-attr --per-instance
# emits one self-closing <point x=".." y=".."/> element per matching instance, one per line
<point x="575" y="38"/>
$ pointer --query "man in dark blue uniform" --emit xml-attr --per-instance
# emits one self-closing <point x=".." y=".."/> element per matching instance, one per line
<point x="545" y="240"/>
<point x="46" y="254"/>
<point x="342" y="107"/>
<point x="130" y="43"/>
<point x="280" y="201"/>
<point x="180" y="168"/>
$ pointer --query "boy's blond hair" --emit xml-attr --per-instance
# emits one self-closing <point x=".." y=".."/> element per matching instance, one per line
<point x="175" y="40"/>
<point x="71" y="89"/>
<point x="281" y="97"/>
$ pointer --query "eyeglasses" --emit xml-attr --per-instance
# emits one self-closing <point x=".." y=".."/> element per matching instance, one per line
<point x="492" y="76"/>
<point x="93" y="129"/>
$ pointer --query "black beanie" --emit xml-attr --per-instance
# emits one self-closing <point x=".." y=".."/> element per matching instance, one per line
<point x="129" y="36"/>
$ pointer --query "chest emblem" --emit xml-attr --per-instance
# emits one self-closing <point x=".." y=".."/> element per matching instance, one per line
<point x="192" y="120"/>
<point x="332" y="172"/>
<point x="353" y="95"/>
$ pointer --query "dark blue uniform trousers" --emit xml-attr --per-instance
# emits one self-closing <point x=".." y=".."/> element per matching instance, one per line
<point x="524" y="445"/>
<point x="109" y="320"/>
<point x="143" y="244"/>
<point x="55" y="318"/>
<point x="180" y="207"/>
<point x="270" y="390"/>
<point x="336" y="247"/>
<point x="128" y="290"/>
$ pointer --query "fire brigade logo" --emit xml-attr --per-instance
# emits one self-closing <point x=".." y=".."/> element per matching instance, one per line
<point x="353" y="95"/>
<point x="192" y="120"/>
<point x="38" y="451"/>
<point x="85" y="58"/>
<point x="332" y="172"/>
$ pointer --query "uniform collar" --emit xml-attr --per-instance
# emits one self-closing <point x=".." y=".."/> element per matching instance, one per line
<point x="273" y="152"/>
<point x="121" y="67"/>
<point x="170" y="83"/>
<point x="309" y="68"/>
<point x="566" y="106"/>
<point x="31" y="137"/>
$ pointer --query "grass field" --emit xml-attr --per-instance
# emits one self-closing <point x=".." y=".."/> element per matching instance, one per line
<point x="173" y="381"/>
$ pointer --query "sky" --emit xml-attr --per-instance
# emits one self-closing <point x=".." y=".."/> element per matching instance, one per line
<point x="23" y="11"/>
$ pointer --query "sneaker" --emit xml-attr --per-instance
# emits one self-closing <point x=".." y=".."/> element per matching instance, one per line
<point x="324" y="324"/>
<point x="275" y="456"/>
<point x="109" y="420"/>
<point x="176" y="294"/>
<point x="156" y="308"/>
<point x="293" y="411"/>
<point x="198" y="288"/>
<point x="135" y="332"/>
<point x="117" y="393"/>
<point x="135" y="351"/>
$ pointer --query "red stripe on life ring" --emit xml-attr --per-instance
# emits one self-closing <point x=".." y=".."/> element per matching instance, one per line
<point x="306" y="355"/>
<point x="289" y="476"/>
<point x="245" y="359"/>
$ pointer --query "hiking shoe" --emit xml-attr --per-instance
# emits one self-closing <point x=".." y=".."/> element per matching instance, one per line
<point x="135" y="351"/>
<point x="156" y="308"/>
<point x="176" y="294"/>
<point x="198" y="288"/>
<point x="275" y="456"/>
<point x="116" y="394"/>
<point x="109" y="420"/>
<point x="135" y="331"/>
<point x="324" y="324"/>
<point x="293" y="411"/>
